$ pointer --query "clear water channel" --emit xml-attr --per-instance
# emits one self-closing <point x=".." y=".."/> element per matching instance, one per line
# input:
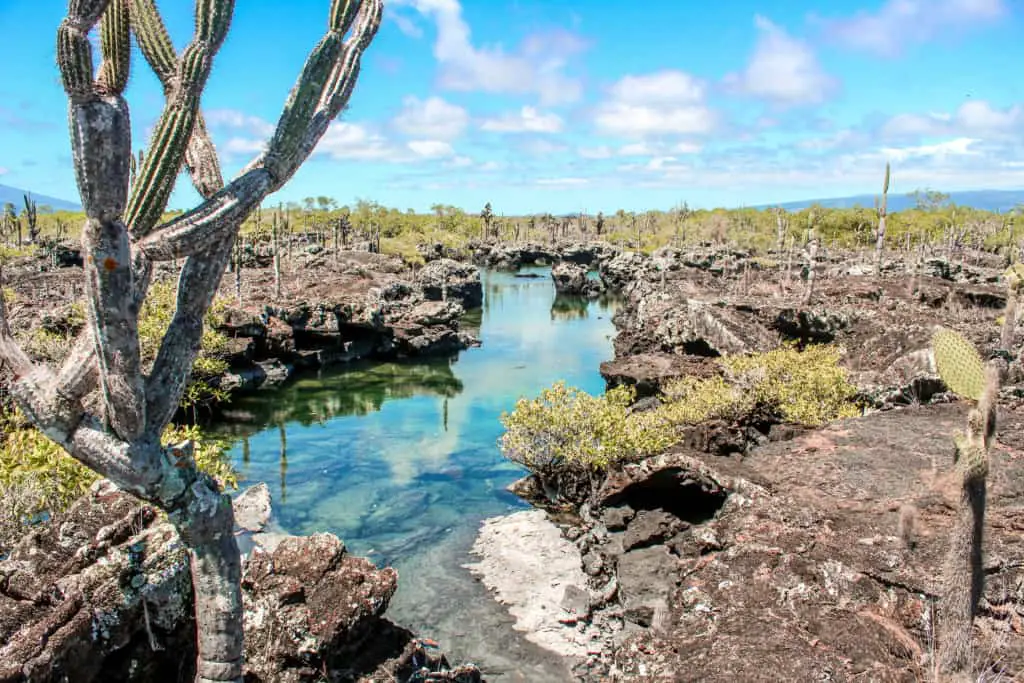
<point x="401" y="461"/>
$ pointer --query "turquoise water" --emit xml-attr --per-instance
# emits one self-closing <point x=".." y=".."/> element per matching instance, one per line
<point x="401" y="461"/>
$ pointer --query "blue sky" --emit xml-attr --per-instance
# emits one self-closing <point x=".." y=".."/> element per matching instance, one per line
<point x="568" y="105"/>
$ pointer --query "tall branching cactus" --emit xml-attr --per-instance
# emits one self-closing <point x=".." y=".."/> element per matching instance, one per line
<point x="1014" y="276"/>
<point x="813" y="242"/>
<point x="961" y="368"/>
<point x="122" y="237"/>
<point x="883" y="212"/>
<point x="32" y="219"/>
<point x="487" y="219"/>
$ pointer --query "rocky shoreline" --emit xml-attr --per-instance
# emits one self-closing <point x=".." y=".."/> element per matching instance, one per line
<point x="753" y="551"/>
<point x="766" y="551"/>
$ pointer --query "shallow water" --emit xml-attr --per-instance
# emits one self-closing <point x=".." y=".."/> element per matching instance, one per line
<point x="401" y="461"/>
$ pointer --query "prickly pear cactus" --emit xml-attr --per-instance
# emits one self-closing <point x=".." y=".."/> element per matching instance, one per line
<point x="958" y="363"/>
<point x="1014" y="276"/>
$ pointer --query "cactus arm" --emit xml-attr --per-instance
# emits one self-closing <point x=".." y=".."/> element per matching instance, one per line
<point x="78" y="374"/>
<point x="156" y="46"/>
<point x="166" y="150"/>
<point x="298" y="131"/>
<point x="962" y="370"/>
<point x="197" y="285"/>
<point x="115" y="46"/>
<point x="39" y="393"/>
<point x="101" y="150"/>
<point x="210" y="223"/>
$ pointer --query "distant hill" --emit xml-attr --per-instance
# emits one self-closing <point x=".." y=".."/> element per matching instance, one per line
<point x="990" y="200"/>
<point x="16" y="196"/>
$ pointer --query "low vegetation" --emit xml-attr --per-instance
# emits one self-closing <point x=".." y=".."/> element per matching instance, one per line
<point x="933" y="220"/>
<point x="566" y="428"/>
<point x="37" y="477"/>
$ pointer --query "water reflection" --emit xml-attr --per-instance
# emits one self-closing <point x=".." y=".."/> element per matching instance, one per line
<point x="400" y="459"/>
<point x="569" y="307"/>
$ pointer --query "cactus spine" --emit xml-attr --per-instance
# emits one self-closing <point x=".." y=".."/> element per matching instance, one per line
<point x="961" y="368"/>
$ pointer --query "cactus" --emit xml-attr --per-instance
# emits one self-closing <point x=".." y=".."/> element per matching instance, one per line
<point x="275" y="240"/>
<point x="812" y="256"/>
<point x="1014" y="276"/>
<point x="122" y="238"/>
<point x="487" y="218"/>
<point x="961" y="368"/>
<point x="781" y="227"/>
<point x="958" y="364"/>
<point x="11" y="222"/>
<point x="31" y="218"/>
<point x="882" y="213"/>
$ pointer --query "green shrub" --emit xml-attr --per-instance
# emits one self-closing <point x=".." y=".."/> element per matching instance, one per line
<point x="37" y="477"/>
<point x="154" y="319"/>
<point x="568" y="428"/>
<point x="803" y="387"/>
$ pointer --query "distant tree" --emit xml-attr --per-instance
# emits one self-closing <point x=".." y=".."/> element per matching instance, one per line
<point x="487" y="216"/>
<point x="928" y="199"/>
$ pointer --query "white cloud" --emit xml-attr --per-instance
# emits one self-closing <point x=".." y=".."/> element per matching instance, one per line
<point x="239" y="121"/>
<point x="241" y="145"/>
<point x="538" y="68"/>
<point x="652" y="149"/>
<point x="636" y="149"/>
<point x="431" y="149"/>
<point x="344" y="140"/>
<point x="561" y="182"/>
<point x="526" y="120"/>
<point x="540" y="147"/>
<point x="957" y="147"/>
<point x="4" y="171"/>
<point x="631" y="120"/>
<point x="434" y="120"/>
<point x="899" y="23"/>
<point x="782" y="70"/>
<point x="599" y="152"/>
<point x="492" y="166"/>
<point x="975" y="118"/>
<point x="661" y="87"/>
<point x="431" y="118"/>
<point x="404" y="23"/>
<point x="978" y="115"/>
<point x="687" y="148"/>
<point x="664" y="102"/>
<point x="829" y="142"/>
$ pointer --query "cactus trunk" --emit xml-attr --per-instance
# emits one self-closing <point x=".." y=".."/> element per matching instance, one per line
<point x="123" y="202"/>
<point x="964" y="577"/>
<point x="882" y="214"/>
